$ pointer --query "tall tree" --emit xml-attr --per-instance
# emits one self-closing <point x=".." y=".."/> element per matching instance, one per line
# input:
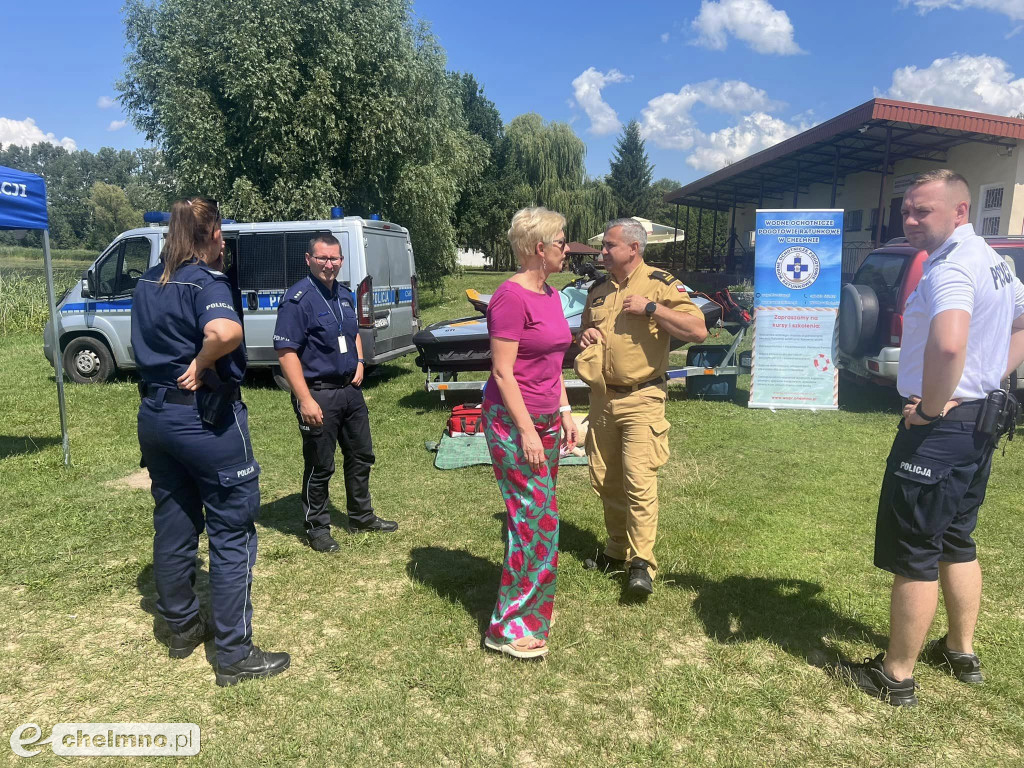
<point x="631" y="174"/>
<point x="282" y="108"/>
<point x="112" y="213"/>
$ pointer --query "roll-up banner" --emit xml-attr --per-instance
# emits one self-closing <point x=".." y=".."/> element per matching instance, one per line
<point x="797" y="278"/>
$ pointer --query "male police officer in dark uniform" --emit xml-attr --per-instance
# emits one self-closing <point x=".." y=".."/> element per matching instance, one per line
<point x="956" y="348"/>
<point x="317" y="341"/>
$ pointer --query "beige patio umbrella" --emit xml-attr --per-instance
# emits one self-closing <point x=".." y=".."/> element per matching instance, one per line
<point x="656" y="233"/>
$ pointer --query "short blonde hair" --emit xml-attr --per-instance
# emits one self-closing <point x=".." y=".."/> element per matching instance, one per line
<point x="531" y="226"/>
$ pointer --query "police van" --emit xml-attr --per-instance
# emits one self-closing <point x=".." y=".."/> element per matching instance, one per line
<point x="261" y="260"/>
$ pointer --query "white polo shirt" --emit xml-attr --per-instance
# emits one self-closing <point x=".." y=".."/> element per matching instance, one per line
<point x="963" y="273"/>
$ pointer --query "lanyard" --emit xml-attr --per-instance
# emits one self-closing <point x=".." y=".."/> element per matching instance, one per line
<point x="339" y="315"/>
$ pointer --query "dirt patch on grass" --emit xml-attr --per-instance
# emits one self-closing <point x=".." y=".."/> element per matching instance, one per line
<point x="136" y="481"/>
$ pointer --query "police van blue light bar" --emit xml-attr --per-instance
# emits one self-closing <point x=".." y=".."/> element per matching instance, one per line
<point x="163" y="217"/>
<point x="337" y="212"/>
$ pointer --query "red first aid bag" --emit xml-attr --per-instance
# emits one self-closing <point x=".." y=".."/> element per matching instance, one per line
<point x="465" y="420"/>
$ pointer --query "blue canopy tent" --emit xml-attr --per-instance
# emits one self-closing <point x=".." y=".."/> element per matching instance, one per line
<point x="23" y="206"/>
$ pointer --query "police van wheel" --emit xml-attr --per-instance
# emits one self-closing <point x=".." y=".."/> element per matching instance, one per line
<point x="279" y="379"/>
<point x="88" y="361"/>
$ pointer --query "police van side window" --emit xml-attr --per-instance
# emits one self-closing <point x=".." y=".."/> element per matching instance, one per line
<point x="120" y="270"/>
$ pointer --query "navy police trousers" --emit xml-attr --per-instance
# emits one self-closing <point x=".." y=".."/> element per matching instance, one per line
<point x="193" y="467"/>
<point x="346" y="423"/>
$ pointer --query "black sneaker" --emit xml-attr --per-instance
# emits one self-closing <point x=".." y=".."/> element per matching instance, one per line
<point x="870" y="677"/>
<point x="323" y="542"/>
<point x="181" y="644"/>
<point x="965" y="667"/>
<point x="257" y="664"/>
<point x="376" y="524"/>
<point x="604" y="564"/>
<point x="639" y="578"/>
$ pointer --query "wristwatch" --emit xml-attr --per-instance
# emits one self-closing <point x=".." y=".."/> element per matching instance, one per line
<point x="651" y="308"/>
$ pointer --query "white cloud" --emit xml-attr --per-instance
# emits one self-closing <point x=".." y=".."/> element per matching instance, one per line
<point x="587" y="89"/>
<point x="1012" y="8"/>
<point x="105" y="102"/>
<point x="25" y="133"/>
<point x="978" y="83"/>
<point x="664" y="37"/>
<point x="117" y="125"/>
<point x="756" y="22"/>
<point x="753" y="133"/>
<point x="666" y="120"/>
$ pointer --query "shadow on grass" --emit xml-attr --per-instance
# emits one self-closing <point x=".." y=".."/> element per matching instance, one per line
<point x="785" y="612"/>
<point x="285" y="515"/>
<point x="146" y="585"/>
<point x="23" y="444"/>
<point x="459" y="577"/>
<point x="864" y="397"/>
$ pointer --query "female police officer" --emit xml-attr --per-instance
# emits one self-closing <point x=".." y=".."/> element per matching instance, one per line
<point x="194" y="435"/>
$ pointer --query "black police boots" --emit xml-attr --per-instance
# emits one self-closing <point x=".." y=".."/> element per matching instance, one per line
<point x="377" y="524"/>
<point x="870" y="677"/>
<point x="323" y="542"/>
<point x="639" y="578"/>
<point x="258" y="664"/>
<point x="965" y="667"/>
<point x="181" y="644"/>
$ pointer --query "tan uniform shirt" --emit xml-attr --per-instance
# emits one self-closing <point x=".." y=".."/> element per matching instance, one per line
<point x="636" y="348"/>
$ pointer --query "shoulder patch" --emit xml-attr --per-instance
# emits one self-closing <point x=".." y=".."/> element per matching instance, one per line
<point x="664" y="277"/>
<point x="600" y="281"/>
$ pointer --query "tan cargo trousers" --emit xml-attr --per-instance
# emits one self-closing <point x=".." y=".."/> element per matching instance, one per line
<point x="626" y="443"/>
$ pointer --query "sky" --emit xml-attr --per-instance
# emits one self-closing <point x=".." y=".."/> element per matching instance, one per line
<point x="709" y="82"/>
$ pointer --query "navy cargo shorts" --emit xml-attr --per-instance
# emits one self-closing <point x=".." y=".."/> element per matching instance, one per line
<point x="935" y="479"/>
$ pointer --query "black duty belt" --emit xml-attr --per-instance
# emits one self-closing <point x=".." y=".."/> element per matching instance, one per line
<point x="966" y="411"/>
<point x="180" y="396"/>
<point x="341" y="383"/>
<point x="627" y="388"/>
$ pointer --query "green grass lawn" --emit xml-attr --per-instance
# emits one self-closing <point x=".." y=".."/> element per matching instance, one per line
<point x="765" y="550"/>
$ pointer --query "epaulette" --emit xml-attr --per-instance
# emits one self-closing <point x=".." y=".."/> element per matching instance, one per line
<point x="296" y="296"/>
<point x="664" y="277"/>
<point x="596" y="283"/>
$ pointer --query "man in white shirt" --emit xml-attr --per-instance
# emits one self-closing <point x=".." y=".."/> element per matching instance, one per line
<point x="963" y="329"/>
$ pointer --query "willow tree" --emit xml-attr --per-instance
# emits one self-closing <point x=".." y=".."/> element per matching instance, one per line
<point x="544" y="165"/>
<point x="282" y="108"/>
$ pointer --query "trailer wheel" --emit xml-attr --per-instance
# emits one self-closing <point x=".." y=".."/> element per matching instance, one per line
<point x="88" y="361"/>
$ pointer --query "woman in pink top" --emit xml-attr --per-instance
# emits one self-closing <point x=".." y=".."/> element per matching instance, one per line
<point x="525" y="408"/>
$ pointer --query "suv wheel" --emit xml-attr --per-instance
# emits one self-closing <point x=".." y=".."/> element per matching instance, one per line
<point x="88" y="361"/>
<point x="858" y="318"/>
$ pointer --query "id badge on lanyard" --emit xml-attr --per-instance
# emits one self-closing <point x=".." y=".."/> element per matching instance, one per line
<point x="342" y="341"/>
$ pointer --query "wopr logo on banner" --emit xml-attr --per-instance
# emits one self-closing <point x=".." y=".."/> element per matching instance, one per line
<point x="797" y="275"/>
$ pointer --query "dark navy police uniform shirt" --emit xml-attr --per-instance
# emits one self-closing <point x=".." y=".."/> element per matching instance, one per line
<point x="168" y="321"/>
<point x="310" y="319"/>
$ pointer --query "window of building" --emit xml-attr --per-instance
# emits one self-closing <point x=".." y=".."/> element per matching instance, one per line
<point x="991" y="209"/>
<point x="854" y="220"/>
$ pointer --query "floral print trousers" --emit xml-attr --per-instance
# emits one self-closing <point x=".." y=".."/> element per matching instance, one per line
<point x="527" y="592"/>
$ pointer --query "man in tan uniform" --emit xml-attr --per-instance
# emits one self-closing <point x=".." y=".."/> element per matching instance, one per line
<point x="634" y="313"/>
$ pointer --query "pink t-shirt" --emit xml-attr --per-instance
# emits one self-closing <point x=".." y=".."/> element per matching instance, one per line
<point x="537" y="322"/>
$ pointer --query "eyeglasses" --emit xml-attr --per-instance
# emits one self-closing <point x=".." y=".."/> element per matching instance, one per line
<point x="560" y="244"/>
<point x="326" y="260"/>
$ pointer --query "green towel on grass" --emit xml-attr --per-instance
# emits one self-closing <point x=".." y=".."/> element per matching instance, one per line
<point x="465" y="451"/>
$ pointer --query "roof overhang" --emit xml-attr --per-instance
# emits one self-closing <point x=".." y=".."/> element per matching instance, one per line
<point x="853" y="142"/>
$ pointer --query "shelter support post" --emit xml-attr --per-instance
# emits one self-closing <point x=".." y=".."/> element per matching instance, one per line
<point x="730" y="256"/>
<point x="58" y="368"/>
<point x="835" y="178"/>
<point x="796" y="186"/>
<point x="700" y="229"/>
<point x="881" y="186"/>
<point x="675" y="238"/>
<point x="686" y="242"/>
<point x="714" y="234"/>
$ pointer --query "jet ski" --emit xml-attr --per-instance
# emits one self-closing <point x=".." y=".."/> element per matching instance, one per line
<point x="464" y="345"/>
